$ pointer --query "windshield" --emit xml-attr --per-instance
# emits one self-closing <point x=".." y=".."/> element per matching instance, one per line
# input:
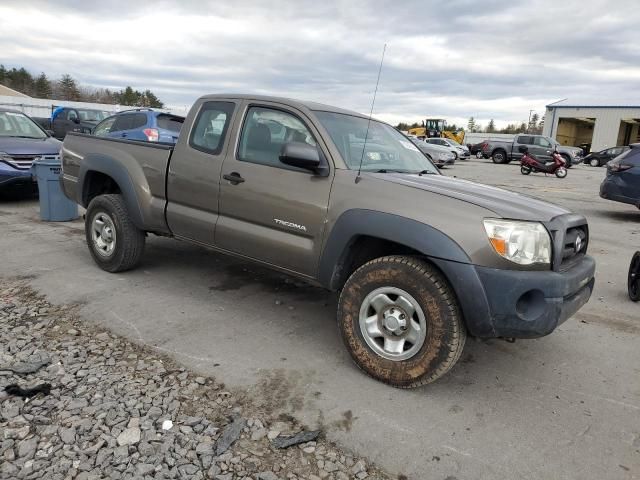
<point x="92" y="115"/>
<point x="14" y="124"/>
<point x="453" y="142"/>
<point x="387" y="149"/>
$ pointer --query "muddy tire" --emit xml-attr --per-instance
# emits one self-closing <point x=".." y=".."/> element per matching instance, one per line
<point x="400" y="321"/>
<point x="114" y="241"/>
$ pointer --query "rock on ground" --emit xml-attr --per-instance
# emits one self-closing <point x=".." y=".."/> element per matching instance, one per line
<point x="120" y="411"/>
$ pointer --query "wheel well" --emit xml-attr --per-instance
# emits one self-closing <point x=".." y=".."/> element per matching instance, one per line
<point x="363" y="249"/>
<point x="97" y="183"/>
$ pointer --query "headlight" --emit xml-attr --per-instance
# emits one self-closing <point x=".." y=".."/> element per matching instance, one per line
<point x="525" y="243"/>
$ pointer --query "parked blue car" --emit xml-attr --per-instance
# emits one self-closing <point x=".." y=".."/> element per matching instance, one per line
<point x="21" y="142"/>
<point x="143" y="124"/>
<point x="622" y="183"/>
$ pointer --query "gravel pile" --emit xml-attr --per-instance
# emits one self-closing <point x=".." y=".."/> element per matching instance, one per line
<point x="116" y="410"/>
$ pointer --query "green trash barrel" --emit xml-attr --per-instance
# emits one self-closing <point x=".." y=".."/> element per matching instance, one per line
<point x="54" y="206"/>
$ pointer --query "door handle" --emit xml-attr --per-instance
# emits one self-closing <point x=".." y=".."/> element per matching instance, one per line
<point x="233" y="177"/>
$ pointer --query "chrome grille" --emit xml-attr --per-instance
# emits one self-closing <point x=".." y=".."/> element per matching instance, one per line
<point x="24" y="162"/>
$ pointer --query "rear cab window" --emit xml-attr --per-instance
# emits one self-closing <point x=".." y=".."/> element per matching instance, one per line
<point x="211" y="126"/>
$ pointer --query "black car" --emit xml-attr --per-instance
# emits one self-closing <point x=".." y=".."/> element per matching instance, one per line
<point x="598" y="159"/>
<point x="478" y="149"/>
<point x="622" y="183"/>
<point x="71" y="119"/>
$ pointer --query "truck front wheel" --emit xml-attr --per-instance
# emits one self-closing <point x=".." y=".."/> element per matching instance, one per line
<point x="114" y="241"/>
<point x="400" y="321"/>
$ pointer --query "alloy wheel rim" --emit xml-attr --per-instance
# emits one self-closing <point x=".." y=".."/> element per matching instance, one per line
<point x="103" y="234"/>
<point x="392" y="323"/>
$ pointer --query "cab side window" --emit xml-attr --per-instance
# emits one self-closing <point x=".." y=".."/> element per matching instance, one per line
<point x="72" y="115"/>
<point x="542" y="142"/>
<point x="210" y="127"/>
<point x="266" y="131"/>
<point x="525" y="140"/>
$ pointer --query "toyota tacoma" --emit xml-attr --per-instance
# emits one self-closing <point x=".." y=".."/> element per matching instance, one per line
<point x="347" y="203"/>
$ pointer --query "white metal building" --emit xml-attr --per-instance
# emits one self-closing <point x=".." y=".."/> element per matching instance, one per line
<point x="600" y="124"/>
<point x="41" y="107"/>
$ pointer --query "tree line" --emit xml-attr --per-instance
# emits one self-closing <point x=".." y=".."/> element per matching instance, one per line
<point x="67" y="88"/>
<point x="534" y="126"/>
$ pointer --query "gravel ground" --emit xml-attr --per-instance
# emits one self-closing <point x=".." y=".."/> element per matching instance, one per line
<point x="116" y="410"/>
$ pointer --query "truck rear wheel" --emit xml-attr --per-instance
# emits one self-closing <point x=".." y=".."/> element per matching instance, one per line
<point x="114" y="241"/>
<point x="499" y="156"/>
<point x="400" y="321"/>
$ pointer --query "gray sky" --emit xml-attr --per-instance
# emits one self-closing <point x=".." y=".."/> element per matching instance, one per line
<point x="488" y="59"/>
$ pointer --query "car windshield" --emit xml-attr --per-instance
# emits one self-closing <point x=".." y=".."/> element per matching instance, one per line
<point x="92" y="115"/>
<point x="14" y="124"/>
<point x="386" y="148"/>
<point x="453" y="142"/>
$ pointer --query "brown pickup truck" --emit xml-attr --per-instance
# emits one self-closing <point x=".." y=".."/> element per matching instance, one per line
<point x="324" y="194"/>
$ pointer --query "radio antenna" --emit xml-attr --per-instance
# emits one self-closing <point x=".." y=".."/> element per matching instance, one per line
<point x="366" y="136"/>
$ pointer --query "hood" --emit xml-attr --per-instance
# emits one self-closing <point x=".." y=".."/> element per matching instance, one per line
<point x="432" y="147"/>
<point x="569" y="149"/>
<point x="30" y="146"/>
<point x="503" y="203"/>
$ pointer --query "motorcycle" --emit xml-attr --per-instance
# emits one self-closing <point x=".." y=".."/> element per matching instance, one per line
<point x="633" y="281"/>
<point x="529" y="163"/>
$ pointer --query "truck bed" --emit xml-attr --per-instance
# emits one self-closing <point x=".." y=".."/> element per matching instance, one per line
<point x="140" y="169"/>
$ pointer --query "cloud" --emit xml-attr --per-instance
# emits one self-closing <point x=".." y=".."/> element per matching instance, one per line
<point x="492" y="59"/>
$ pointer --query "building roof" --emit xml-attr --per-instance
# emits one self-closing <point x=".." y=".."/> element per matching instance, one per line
<point x="591" y="103"/>
<point x="10" y="92"/>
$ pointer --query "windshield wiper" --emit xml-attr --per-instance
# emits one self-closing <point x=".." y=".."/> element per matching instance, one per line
<point x="24" y="136"/>
<point x="426" y="172"/>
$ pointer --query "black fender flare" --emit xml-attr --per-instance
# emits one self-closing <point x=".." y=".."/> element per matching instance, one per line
<point x="355" y="223"/>
<point x="114" y="169"/>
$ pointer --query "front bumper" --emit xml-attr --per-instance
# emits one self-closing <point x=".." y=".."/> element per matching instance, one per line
<point x="12" y="177"/>
<point x="517" y="303"/>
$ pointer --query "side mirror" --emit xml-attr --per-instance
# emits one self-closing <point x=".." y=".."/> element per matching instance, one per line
<point x="49" y="132"/>
<point x="302" y="155"/>
<point x="523" y="149"/>
<point x="76" y="120"/>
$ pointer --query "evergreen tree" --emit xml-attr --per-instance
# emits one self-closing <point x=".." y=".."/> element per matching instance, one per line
<point x="533" y="123"/>
<point x="471" y="125"/>
<point x="42" y="87"/>
<point x="491" y="128"/>
<point x="152" y="100"/>
<point x="68" y="88"/>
